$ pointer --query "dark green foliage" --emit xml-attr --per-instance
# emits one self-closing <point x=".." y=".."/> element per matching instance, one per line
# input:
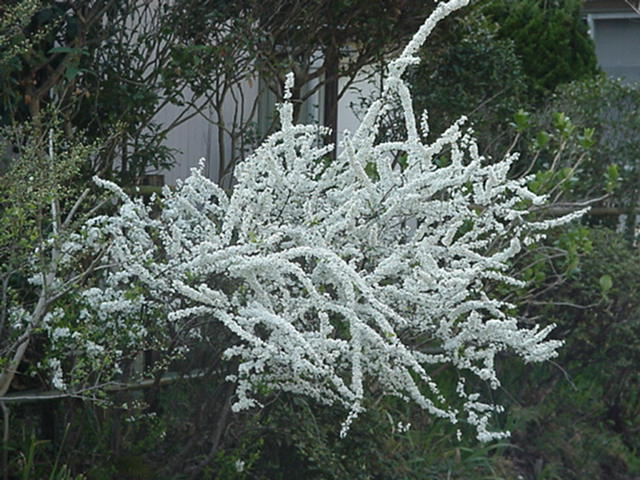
<point x="82" y="62"/>
<point x="578" y="418"/>
<point x="612" y="109"/>
<point x="550" y="39"/>
<point x="300" y="441"/>
<point x="290" y="438"/>
<point x="582" y="145"/>
<point x="472" y="72"/>
<point x="561" y="429"/>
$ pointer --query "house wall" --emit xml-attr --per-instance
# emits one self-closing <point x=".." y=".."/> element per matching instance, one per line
<point x="190" y="141"/>
<point x="618" y="46"/>
<point x="615" y="28"/>
<point x="199" y="138"/>
<point x="591" y="6"/>
<point x="365" y="86"/>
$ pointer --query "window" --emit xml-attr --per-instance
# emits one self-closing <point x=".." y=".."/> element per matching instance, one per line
<point x="617" y="40"/>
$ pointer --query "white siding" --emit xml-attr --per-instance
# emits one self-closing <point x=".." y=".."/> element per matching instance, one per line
<point x="198" y="138"/>
<point x="617" y="40"/>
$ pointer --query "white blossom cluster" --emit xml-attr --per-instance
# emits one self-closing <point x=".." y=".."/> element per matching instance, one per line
<point x="343" y="278"/>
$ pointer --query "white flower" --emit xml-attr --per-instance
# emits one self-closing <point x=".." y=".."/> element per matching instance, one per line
<point x="57" y="379"/>
<point x="330" y="278"/>
<point x="60" y="332"/>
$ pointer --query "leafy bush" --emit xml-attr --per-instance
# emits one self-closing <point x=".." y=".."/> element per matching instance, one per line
<point x="470" y="71"/>
<point x="550" y="39"/>
<point x="612" y="109"/>
<point x="578" y="418"/>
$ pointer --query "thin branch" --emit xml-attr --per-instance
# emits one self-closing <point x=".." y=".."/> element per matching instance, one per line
<point x="110" y="387"/>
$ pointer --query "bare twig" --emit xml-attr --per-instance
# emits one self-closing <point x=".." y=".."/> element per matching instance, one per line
<point x="110" y="387"/>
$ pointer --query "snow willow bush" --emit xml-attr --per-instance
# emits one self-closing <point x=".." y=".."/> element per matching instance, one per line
<point x="339" y="278"/>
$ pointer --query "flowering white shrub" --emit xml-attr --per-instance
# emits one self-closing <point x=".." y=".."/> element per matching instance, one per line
<point x="344" y="277"/>
<point x="43" y="260"/>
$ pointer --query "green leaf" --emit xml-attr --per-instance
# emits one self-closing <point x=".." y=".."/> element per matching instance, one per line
<point x="542" y="140"/>
<point x="606" y="283"/>
<point x="71" y="73"/>
<point x="372" y="171"/>
<point x="586" y="139"/>
<point x="522" y="120"/>
<point x="612" y="178"/>
<point x="80" y="51"/>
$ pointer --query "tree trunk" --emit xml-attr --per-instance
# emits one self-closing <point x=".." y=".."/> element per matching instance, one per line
<point x="332" y="60"/>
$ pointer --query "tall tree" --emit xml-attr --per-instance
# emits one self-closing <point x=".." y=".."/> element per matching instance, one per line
<point x="551" y="39"/>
